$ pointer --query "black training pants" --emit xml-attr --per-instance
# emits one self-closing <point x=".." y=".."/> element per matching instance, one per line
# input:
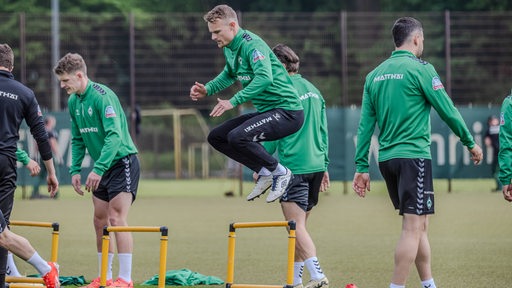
<point x="239" y="138"/>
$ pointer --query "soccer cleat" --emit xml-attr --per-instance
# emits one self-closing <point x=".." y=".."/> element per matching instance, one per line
<point x="120" y="283"/>
<point x="298" y="286"/>
<point x="279" y="184"/>
<point x="95" y="283"/>
<point x="51" y="279"/>
<point x="262" y="184"/>
<point x="322" y="283"/>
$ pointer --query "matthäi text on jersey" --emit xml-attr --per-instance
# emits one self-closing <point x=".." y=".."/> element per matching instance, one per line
<point x="388" y="77"/>
<point x="8" y="95"/>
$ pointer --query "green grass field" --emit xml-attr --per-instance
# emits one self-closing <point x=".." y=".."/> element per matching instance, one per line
<point x="470" y="234"/>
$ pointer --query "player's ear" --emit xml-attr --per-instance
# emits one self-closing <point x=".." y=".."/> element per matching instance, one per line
<point x="232" y="24"/>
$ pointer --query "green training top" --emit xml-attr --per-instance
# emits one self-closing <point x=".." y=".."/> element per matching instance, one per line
<point x="22" y="156"/>
<point x="305" y="151"/>
<point x="98" y="124"/>
<point x="505" y="154"/>
<point x="264" y="80"/>
<point x="398" y="96"/>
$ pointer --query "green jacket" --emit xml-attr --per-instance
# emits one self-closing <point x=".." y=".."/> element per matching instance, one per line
<point x="505" y="154"/>
<point x="264" y="80"/>
<point x="398" y="96"/>
<point x="98" y="124"/>
<point x="305" y="151"/>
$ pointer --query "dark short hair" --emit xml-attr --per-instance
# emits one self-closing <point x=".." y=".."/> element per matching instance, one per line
<point x="71" y="62"/>
<point x="288" y="57"/>
<point x="6" y="56"/>
<point x="403" y="29"/>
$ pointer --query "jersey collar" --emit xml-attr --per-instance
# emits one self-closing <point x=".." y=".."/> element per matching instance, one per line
<point x="6" y="74"/>
<point x="402" y="53"/>
<point x="237" y="40"/>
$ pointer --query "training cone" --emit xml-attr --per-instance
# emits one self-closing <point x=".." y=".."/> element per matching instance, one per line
<point x="351" y="286"/>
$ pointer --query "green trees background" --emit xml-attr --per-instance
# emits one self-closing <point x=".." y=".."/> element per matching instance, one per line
<point x="158" y="6"/>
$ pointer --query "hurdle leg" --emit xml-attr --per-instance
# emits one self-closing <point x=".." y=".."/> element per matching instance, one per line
<point x="105" y="242"/>
<point x="231" y="257"/>
<point x="164" y="239"/>
<point x="291" y="254"/>
<point x="55" y="242"/>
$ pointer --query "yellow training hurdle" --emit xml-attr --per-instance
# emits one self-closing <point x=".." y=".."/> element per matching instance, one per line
<point x="163" y="249"/>
<point x="231" y="252"/>
<point x="22" y="282"/>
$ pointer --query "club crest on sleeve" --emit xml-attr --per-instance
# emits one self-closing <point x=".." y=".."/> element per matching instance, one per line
<point x="39" y="113"/>
<point x="257" y="55"/>
<point x="110" y="112"/>
<point x="436" y="83"/>
<point x="502" y="118"/>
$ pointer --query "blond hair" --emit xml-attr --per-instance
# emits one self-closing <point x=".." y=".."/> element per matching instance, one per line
<point x="220" y="12"/>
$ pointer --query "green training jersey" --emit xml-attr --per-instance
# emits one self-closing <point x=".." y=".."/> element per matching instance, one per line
<point x="398" y="96"/>
<point x="22" y="156"/>
<point x="305" y="151"/>
<point x="98" y="124"/>
<point x="264" y="80"/>
<point x="505" y="154"/>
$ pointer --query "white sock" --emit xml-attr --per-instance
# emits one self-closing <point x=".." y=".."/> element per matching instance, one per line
<point x="11" y="268"/>
<point x="264" y="172"/>
<point x="280" y="170"/>
<point x="109" y="265"/>
<point x="314" y="269"/>
<point x="298" y="269"/>
<point x="396" y="286"/>
<point x="428" y="283"/>
<point x="125" y="266"/>
<point x="41" y="266"/>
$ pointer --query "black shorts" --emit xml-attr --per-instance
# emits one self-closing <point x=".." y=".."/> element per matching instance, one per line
<point x="122" y="177"/>
<point x="303" y="190"/>
<point x="409" y="183"/>
<point x="7" y="185"/>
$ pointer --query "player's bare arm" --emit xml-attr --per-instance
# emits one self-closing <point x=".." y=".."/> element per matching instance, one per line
<point x="51" y="179"/>
<point x="507" y="192"/>
<point x="361" y="183"/>
<point x="76" y="183"/>
<point x="92" y="182"/>
<point x="33" y="167"/>
<point x="326" y="182"/>
<point x="221" y="107"/>
<point x="197" y="91"/>
<point x="476" y="154"/>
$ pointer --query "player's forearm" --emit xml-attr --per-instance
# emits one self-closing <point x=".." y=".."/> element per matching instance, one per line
<point x="49" y="167"/>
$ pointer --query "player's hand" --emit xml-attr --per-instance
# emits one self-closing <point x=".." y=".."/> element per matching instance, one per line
<point x="476" y="154"/>
<point x="92" y="182"/>
<point x="76" y="183"/>
<point x="197" y="91"/>
<point x="507" y="192"/>
<point x="361" y="183"/>
<point x="53" y="184"/>
<point x="33" y="167"/>
<point x="221" y="107"/>
<point x="326" y="182"/>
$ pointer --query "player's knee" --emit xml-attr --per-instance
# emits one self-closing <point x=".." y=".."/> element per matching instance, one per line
<point x="214" y="137"/>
